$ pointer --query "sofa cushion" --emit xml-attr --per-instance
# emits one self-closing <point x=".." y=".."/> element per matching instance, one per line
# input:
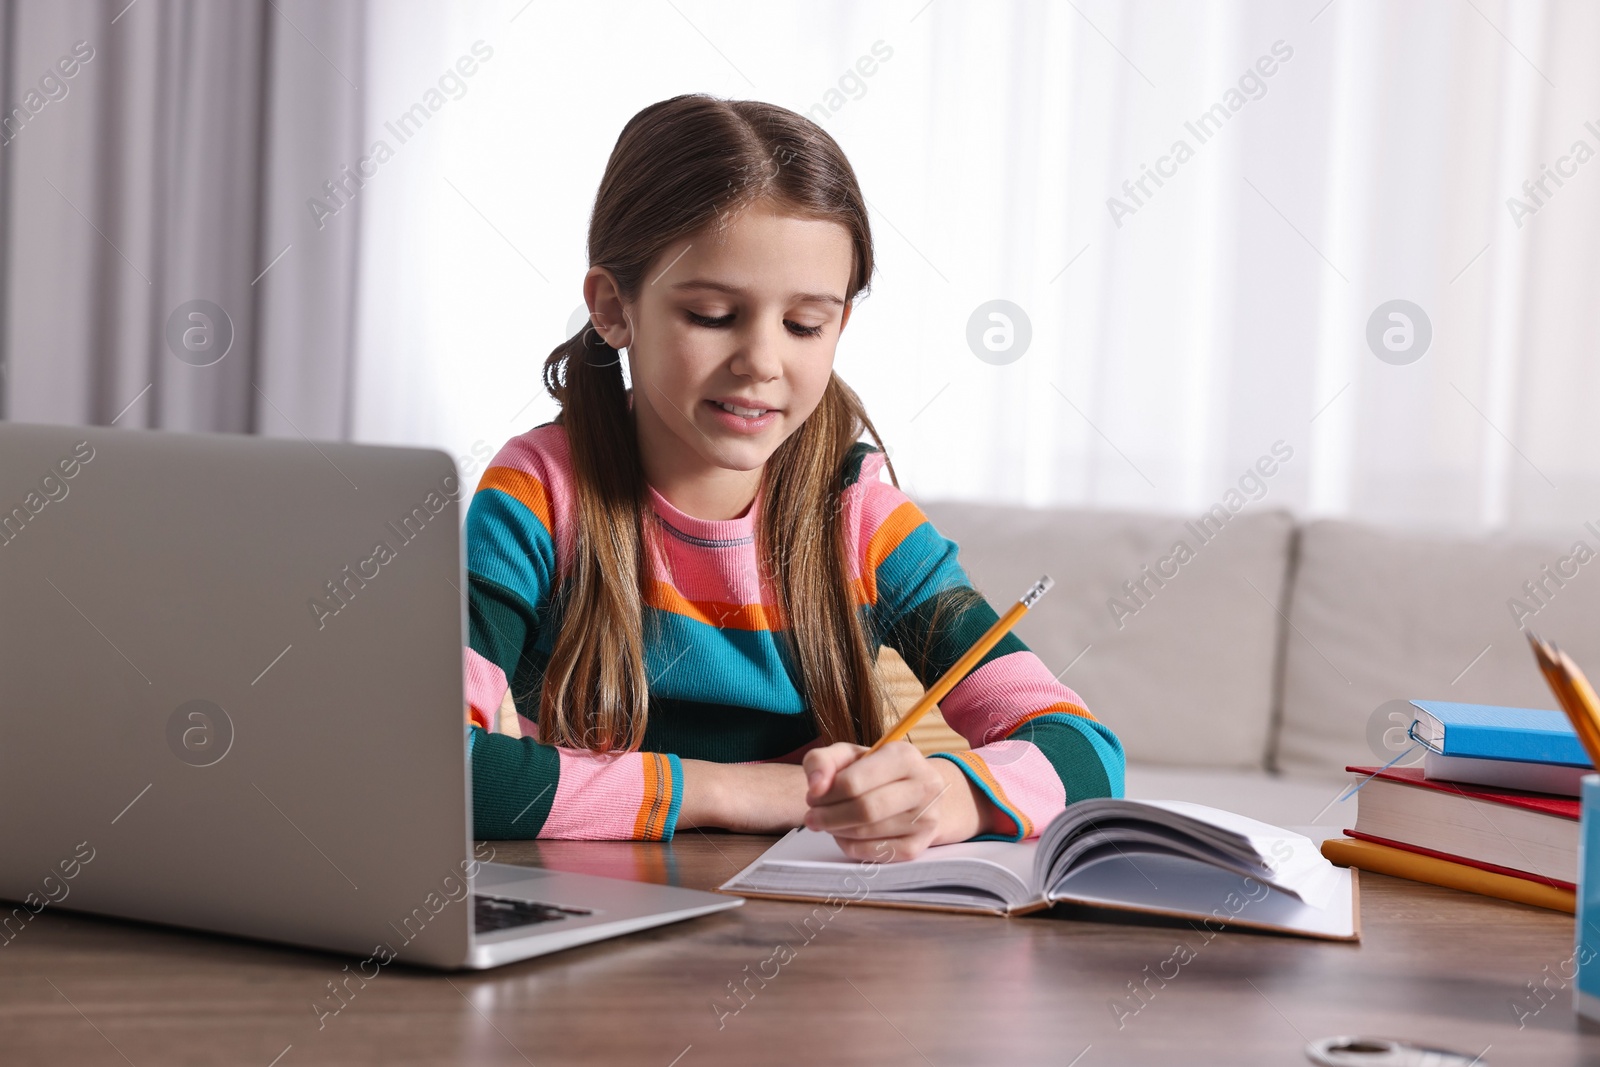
<point x="1283" y="800"/>
<point x="1174" y="651"/>
<point x="1383" y="615"/>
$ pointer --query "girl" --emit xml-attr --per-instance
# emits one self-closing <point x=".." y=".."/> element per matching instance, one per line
<point x="678" y="590"/>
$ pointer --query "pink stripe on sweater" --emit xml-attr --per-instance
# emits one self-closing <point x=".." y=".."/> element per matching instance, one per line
<point x="543" y="453"/>
<point x="485" y="683"/>
<point x="726" y="576"/>
<point x="1015" y="686"/>
<point x="700" y="575"/>
<point x="597" y="798"/>
<point x="866" y="504"/>
<point x="1028" y="779"/>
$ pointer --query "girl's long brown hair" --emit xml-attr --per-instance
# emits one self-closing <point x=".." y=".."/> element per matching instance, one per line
<point x="680" y="166"/>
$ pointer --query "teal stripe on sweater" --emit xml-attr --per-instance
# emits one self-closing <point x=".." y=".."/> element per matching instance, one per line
<point x="937" y="632"/>
<point x="724" y="733"/>
<point x="514" y="782"/>
<point x="497" y="622"/>
<point x="1087" y="756"/>
<point x="508" y="544"/>
<point x="922" y="564"/>
<point x="694" y="660"/>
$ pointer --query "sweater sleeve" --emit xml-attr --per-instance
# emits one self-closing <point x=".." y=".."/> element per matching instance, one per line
<point x="1035" y="746"/>
<point x="521" y="788"/>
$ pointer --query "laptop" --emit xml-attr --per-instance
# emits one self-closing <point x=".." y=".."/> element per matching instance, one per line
<point x="232" y="701"/>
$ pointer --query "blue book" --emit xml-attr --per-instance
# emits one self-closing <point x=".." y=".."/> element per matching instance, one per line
<point x="1483" y="731"/>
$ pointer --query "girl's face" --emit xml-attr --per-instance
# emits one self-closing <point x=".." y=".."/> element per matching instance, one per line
<point x="747" y="315"/>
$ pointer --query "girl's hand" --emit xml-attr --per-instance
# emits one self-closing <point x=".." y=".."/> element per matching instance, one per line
<point x="895" y="797"/>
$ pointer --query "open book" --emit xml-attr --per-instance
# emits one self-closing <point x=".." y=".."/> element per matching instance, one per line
<point x="1162" y="857"/>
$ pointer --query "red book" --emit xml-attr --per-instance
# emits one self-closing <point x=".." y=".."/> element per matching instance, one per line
<point x="1507" y="831"/>
<point x="1491" y="867"/>
<point x="1566" y="807"/>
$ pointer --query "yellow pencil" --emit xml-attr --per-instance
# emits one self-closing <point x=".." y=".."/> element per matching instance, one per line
<point x="1566" y="695"/>
<point x="1585" y="697"/>
<point x="1573" y="693"/>
<point x="962" y="666"/>
<point x="1579" y="704"/>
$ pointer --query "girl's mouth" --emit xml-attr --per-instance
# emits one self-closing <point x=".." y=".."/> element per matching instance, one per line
<point x="740" y="419"/>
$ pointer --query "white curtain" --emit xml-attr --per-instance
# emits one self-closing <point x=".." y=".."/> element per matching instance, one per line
<point x="157" y="157"/>
<point x="1336" y="157"/>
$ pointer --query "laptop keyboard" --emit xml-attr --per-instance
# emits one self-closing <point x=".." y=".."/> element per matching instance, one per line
<point x="499" y="913"/>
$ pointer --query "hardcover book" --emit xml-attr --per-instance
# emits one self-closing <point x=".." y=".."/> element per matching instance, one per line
<point x="1161" y="857"/>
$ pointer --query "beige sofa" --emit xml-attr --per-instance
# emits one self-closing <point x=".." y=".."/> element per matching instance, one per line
<point x="1244" y="669"/>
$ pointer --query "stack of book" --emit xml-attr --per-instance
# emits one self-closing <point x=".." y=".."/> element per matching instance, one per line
<point x="1492" y="810"/>
<point x="1512" y="844"/>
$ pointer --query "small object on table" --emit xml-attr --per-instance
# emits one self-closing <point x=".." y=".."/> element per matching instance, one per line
<point x="1382" y="1052"/>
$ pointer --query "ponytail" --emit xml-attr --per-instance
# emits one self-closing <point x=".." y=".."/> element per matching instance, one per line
<point x="596" y="691"/>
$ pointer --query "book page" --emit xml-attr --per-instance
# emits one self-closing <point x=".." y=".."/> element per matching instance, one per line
<point x="810" y="862"/>
<point x="1173" y="885"/>
<point x="1284" y="858"/>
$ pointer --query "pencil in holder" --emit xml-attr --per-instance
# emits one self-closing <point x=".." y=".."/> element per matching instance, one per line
<point x="1586" y="949"/>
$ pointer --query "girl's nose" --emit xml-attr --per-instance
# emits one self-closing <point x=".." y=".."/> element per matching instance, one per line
<point x="759" y="356"/>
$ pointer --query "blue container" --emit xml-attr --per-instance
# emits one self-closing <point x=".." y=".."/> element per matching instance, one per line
<point x="1586" y="949"/>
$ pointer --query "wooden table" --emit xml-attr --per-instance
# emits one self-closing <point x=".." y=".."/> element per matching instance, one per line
<point x="873" y="986"/>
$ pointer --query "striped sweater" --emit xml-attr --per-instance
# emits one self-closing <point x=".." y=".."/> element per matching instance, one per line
<point x="723" y="687"/>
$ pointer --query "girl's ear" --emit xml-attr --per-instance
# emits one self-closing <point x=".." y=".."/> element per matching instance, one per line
<point x="844" y="319"/>
<point x="607" y="314"/>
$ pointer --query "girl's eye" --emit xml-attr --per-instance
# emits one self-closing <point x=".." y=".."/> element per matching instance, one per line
<point x="723" y="320"/>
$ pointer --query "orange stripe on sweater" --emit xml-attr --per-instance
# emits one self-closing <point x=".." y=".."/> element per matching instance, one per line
<point x="981" y="769"/>
<point x="723" y="615"/>
<point x="659" y="829"/>
<point x="712" y="612"/>
<point x="1062" y="708"/>
<point x="522" y="487"/>
<point x="652" y="819"/>
<point x="895" y="528"/>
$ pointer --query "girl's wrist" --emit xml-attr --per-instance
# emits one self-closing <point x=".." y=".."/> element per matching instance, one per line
<point x="966" y="811"/>
<point x="702" y="794"/>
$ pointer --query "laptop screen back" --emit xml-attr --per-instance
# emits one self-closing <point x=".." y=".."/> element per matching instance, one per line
<point x="230" y="687"/>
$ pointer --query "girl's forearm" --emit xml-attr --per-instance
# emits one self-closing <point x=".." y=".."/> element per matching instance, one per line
<point x="752" y="798"/>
